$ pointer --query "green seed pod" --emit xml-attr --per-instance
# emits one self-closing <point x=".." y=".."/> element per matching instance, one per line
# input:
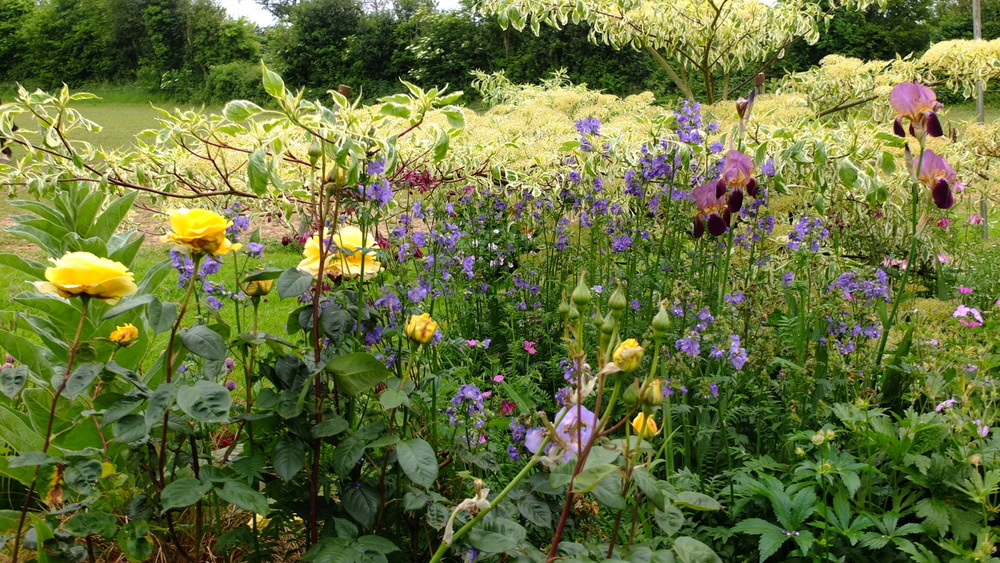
<point x="631" y="395"/>
<point x="563" y="305"/>
<point x="617" y="302"/>
<point x="661" y="322"/>
<point x="581" y="294"/>
<point x="608" y="326"/>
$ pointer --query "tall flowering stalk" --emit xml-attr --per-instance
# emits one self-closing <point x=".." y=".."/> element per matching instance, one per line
<point x="918" y="104"/>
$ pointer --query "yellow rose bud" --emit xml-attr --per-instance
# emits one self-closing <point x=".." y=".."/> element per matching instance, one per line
<point x="653" y="395"/>
<point x="82" y="273"/>
<point x="628" y="354"/>
<point x="258" y="288"/>
<point x="199" y="231"/>
<point x="421" y="328"/>
<point x="124" y="335"/>
<point x="645" y="427"/>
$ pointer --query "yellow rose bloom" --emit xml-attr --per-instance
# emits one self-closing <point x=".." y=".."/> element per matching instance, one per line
<point x="352" y="260"/>
<point x="78" y="273"/>
<point x="421" y="328"/>
<point x="645" y="427"/>
<point x="628" y="354"/>
<point x="199" y="231"/>
<point x="310" y="260"/>
<point x="344" y="257"/>
<point x="124" y="334"/>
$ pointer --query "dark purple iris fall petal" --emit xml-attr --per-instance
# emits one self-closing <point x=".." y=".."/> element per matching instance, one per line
<point x="941" y="192"/>
<point x="912" y="134"/>
<point x="699" y="228"/>
<point x="720" y="188"/>
<point x="933" y="125"/>
<point x="897" y="127"/>
<point x="752" y="187"/>
<point x="716" y="224"/>
<point x="735" y="201"/>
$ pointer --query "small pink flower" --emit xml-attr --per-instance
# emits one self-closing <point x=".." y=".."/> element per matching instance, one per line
<point x="529" y="347"/>
<point x="975" y="219"/>
<point x="943" y="258"/>
<point x="507" y="407"/>
<point x="487" y="394"/>
<point x="498" y="378"/>
<point x="471" y="343"/>
<point x="963" y="289"/>
<point x="944" y="222"/>
<point x="962" y="311"/>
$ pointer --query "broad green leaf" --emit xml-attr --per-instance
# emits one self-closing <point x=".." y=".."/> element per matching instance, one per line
<point x="362" y="504"/>
<point x="92" y="523"/>
<point x="205" y="342"/>
<point x="418" y="461"/>
<point x="12" y="380"/>
<point x="292" y="283"/>
<point x="697" y="501"/>
<point x="243" y="496"/>
<point x="135" y="541"/>
<point x="257" y="171"/>
<point x="347" y="454"/>
<point x="238" y="110"/>
<point x="82" y="475"/>
<point x="27" y="353"/>
<point x="358" y="372"/>
<point x="81" y="378"/>
<point x="535" y="510"/>
<point x="497" y="535"/>
<point x="183" y="492"/>
<point x="205" y="401"/>
<point x="670" y="520"/>
<point x="588" y="478"/>
<point x="273" y="83"/>
<point x="162" y="399"/>
<point x="331" y="426"/>
<point x="127" y="304"/>
<point x="690" y="550"/>
<point x="289" y="457"/>
<point x="161" y="315"/>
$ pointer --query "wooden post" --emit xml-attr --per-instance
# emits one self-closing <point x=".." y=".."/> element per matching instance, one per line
<point x="977" y="33"/>
<point x="758" y="82"/>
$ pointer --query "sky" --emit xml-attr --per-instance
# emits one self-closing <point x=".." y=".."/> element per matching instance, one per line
<point x="253" y="12"/>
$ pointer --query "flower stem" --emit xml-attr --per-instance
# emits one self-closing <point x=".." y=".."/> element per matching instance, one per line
<point x="443" y="548"/>
<point x="85" y="305"/>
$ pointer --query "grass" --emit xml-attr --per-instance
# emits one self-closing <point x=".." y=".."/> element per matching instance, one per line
<point x="967" y="112"/>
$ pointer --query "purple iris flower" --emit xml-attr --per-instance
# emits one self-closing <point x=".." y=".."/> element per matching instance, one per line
<point x="939" y="176"/>
<point x="919" y="104"/>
